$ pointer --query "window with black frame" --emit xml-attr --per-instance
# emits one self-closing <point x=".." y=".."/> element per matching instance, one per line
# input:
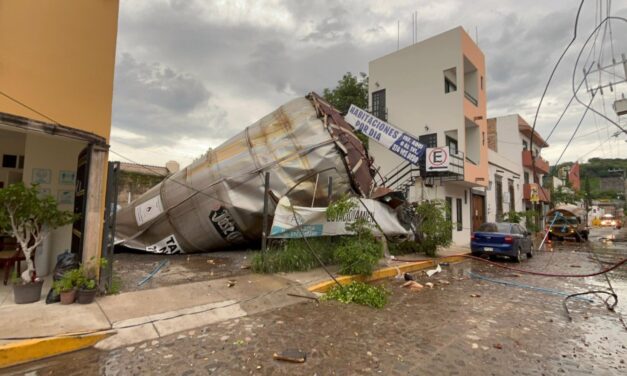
<point x="378" y="104"/>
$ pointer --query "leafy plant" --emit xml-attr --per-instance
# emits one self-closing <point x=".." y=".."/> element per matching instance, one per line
<point x="70" y="279"/>
<point x="360" y="293"/>
<point x="340" y="207"/>
<point x="404" y="247"/>
<point x="29" y="218"/>
<point x="88" y="274"/>
<point x="433" y="228"/>
<point x="514" y="216"/>
<point x="359" y="254"/>
<point x="293" y="255"/>
<point x="349" y="90"/>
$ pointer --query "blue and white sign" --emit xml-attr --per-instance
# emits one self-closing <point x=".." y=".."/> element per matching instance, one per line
<point x="397" y="141"/>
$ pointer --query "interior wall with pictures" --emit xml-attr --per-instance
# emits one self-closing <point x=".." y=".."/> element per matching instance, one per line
<point x="51" y="162"/>
<point x="12" y="146"/>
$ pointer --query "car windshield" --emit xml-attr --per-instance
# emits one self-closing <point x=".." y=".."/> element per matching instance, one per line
<point x="495" y="227"/>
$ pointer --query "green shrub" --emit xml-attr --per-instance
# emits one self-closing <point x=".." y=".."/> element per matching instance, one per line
<point x="433" y="228"/>
<point x="360" y="293"/>
<point x="404" y="247"/>
<point x="70" y="280"/>
<point x="359" y="254"/>
<point x="290" y="255"/>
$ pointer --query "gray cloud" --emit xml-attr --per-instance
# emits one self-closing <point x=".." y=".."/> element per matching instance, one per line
<point x="203" y="69"/>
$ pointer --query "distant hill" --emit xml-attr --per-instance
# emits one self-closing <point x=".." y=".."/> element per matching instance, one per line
<point x="594" y="170"/>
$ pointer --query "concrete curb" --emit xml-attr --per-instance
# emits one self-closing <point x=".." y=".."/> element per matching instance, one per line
<point x="34" y="349"/>
<point x="383" y="273"/>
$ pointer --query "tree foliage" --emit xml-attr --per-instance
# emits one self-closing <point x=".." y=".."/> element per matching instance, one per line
<point x="433" y="228"/>
<point x="29" y="218"/>
<point x="349" y="90"/>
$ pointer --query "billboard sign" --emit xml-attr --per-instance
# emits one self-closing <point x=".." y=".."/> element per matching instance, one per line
<point x="397" y="141"/>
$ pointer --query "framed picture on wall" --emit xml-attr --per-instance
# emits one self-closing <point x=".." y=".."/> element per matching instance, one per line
<point x="67" y="177"/>
<point x="41" y="176"/>
<point x="65" y="196"/>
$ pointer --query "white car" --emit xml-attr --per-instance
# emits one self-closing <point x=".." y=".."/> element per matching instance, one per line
<point x="608" y="220"/>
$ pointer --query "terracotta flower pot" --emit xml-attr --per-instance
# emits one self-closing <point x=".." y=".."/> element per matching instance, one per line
<point x="27" y="292"/>
<point x="68" y="297"/>
<point x="85" y="296"/>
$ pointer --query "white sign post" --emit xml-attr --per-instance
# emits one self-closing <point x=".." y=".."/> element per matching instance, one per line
<point x="397" y="141"/>
<point x="438" y="159"/>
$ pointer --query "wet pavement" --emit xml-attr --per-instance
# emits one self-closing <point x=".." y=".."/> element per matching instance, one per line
<point x="131" y="268"/>
<point x="504" y="323"/>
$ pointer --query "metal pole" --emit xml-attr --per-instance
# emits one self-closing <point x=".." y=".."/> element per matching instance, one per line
<point x="313" y="197"/>
<point x="264" y="232"/>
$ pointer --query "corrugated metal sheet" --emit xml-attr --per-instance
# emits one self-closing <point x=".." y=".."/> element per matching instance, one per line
<point x="217" y="201"/>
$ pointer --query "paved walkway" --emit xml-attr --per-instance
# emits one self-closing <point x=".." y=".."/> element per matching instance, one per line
<point x="153" y="313"/>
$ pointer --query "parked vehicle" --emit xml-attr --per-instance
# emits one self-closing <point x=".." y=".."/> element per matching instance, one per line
<point x="567" y="222"/>
<point x="502" y="239"/>
<point x="608" y="220"/>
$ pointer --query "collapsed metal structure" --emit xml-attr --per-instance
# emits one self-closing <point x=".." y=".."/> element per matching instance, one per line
<point x="217" y="201"/>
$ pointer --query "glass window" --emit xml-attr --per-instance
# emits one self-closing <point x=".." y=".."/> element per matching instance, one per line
<point x="378" y="105"/>
<point x="495" y="227"/>
<point x="525" y="145"/>
<point x="459" y="214"/>
<point x="452" y="144"/>
<point x="450" y="80"/>
<point x="429" y="140"/>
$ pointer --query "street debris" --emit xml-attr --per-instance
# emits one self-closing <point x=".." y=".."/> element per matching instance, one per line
<point x="475" y="295"/>
<point x="408" y="277"/>
<point x="413" y="286"/>
<point x="429" y="285"/>
<point x="303" y="296"/>
<point x="230" y="283"/>
<point x="443" y="282"/>
<point x="293" y="356"/>
<point x="217" y="202"/>
<point x="498" y="346"/>
<point x="153" y="272"/>
<point x="431" y="272"/>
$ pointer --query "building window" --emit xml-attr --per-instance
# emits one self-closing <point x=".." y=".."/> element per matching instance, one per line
<point x="9" y="161"/>
<point x="526" y="178"/>
<point x="512" y="206"/>
<point x="378" y="105"/>
<point x="429" y="140"/>
<point x="452" y="144"/>
<point x="481" y="82"/>
<point x="525" y="145"/>
<point x="450" y="80"/>
<point x="460" y="224"/>
<point x="449" y="207"/>
<point x="498" y="190"/>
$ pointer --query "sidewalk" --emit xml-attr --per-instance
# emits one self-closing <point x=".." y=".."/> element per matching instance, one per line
<point x="150" y="314"/>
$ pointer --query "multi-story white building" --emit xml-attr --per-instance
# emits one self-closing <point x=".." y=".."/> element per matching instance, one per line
<point x="512" y="180"/>
<point x="435" y="90"/>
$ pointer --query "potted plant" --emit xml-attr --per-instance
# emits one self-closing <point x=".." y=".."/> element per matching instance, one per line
<point x="29" y="219"/>
<point x="87" y="286"/>
<point x="66" y="286"/>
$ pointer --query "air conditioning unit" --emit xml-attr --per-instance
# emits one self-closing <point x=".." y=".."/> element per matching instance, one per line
<point x="620" y="106"/>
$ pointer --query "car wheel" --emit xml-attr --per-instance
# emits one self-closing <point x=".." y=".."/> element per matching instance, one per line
<point x="518" y="257"/>
<point x="530" y="253"/>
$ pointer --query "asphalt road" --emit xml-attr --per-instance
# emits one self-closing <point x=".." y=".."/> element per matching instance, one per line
<point x="477" y="320"/>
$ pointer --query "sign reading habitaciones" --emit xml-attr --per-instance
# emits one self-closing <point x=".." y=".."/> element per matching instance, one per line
<point x="397" y="141"/>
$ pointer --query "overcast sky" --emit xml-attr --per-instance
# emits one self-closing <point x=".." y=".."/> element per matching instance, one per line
<point x="189" y="74"/>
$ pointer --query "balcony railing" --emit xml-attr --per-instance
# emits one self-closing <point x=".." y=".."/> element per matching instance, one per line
<point x="543" y="193"/>
<point x="472" y="99"/>
<point x="542" y="165"/>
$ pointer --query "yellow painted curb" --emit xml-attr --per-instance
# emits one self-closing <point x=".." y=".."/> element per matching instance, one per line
<point x="34" y="349"/>
<point x="388" y="272"/>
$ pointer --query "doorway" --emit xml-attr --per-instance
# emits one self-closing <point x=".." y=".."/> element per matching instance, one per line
<point x="478" y="208"/>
